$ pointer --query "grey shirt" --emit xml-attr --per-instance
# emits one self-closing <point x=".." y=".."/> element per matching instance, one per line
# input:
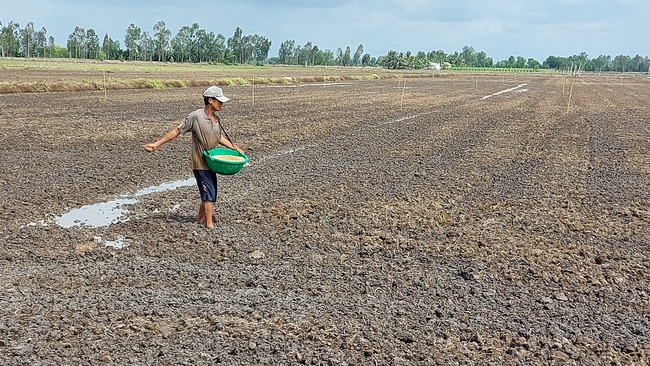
<point x="205" y="134"/>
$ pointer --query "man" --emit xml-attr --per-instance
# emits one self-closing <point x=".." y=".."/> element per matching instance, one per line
<point x="205" y="125"/>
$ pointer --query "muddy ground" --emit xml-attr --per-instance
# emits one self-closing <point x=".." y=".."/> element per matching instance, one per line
<point x="458" y="220"/>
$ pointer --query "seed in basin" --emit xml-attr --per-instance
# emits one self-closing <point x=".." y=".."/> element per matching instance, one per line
<point x="229" y="158"/>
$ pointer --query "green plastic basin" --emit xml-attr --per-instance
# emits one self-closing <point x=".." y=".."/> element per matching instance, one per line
<point x="221" y="166"/>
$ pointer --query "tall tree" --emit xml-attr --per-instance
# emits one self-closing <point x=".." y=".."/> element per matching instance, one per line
<point x="438" y="56"/>
<point x="601" y="63"/>
<point x="204" y="51"/>
<point x="621" y="63"/>
<point x="389" y="61"/>
<point x="9" y="39"/>
<point x="27" y="39"/>
<point x="325" y="58"/>
<point x="366" y="60"/>
<point x="132" y="40"/>
<point x="91" y="44"/>
<point x="111" y="48"/>
<point x="185" y="44"/>
<point x="50" y="46"/>
<point x="285" y="53"/>
<point x="468" y="56"/>
<point x="531" y="63"/>
<point x="339" y="57"/>
<point x="235" y="44"/>
<point x="261" y="47"/>
<point x="180" y="45"/>
<point x="219" y="47"/>
<point x="162" y="38"/>
<point x="145" y="47"/>
<point x="41" y="41"/>
<point x="247" y="49"/>
<point x="482" y="60"/>
<point x="356" y="59"/>
<point x="347" y="59"/>
<point x="639" y="64"/>
<point x="76" y="42"/>
<point x="304" y="57"/>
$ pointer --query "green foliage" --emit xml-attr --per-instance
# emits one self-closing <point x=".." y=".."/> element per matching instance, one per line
<point x="58" y="52"/>
<point x="229" y="58"/>
<point x="494" y="69"/>
<point x="9" y="40"/>
<point x="197" y="45"/>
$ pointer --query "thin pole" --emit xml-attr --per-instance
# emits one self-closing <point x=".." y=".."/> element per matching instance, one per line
<point x="570" y="95"/>
<point x="253" y="90"/>
<point x="403" y="91"/>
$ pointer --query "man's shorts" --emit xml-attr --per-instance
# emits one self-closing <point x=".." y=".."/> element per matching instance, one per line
<point x="206" y="180"/>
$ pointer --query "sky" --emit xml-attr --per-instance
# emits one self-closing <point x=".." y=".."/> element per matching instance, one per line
<point x="500" y="28"/>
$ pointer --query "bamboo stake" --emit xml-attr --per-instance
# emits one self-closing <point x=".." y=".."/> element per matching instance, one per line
<point x="570" y="95"/>
<point x="105" y="94"/>
<point x="253" y="90"/>
<point x="476" y="83"/>
<point x="403" y="91"/>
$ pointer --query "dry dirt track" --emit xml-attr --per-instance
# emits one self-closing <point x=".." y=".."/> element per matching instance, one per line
<point x="447" y="228"/>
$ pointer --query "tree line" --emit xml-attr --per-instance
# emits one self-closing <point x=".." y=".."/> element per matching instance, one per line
<point x="195" y="44"/>
<point x="468" y="57"/>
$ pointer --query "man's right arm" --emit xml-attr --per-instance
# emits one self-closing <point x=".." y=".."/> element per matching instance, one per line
<point x="164" y="139"/>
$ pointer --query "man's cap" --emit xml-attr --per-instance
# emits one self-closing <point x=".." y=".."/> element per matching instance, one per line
<point x="216" y="93"/>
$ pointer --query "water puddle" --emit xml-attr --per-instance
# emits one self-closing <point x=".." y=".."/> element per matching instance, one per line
<point x="169" y="186"/>
<point x="97" y="215"/>
<point x="504" y="91"/>
<point x="107" y="213"/>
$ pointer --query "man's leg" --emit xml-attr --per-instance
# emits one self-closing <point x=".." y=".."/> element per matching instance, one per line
<point x="208" y="207"/>
<point x="206" y="182"/>
<point x="201" y="217"/>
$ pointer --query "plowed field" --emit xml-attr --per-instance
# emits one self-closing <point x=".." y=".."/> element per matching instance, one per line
<point x="450" y="220"/>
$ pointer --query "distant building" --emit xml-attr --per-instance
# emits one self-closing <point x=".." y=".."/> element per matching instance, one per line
<point x="439" y="66"/>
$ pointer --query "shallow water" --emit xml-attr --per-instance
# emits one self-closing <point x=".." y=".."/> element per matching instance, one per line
<point x="96" y="215"/>
<point x="111" y="212"/>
